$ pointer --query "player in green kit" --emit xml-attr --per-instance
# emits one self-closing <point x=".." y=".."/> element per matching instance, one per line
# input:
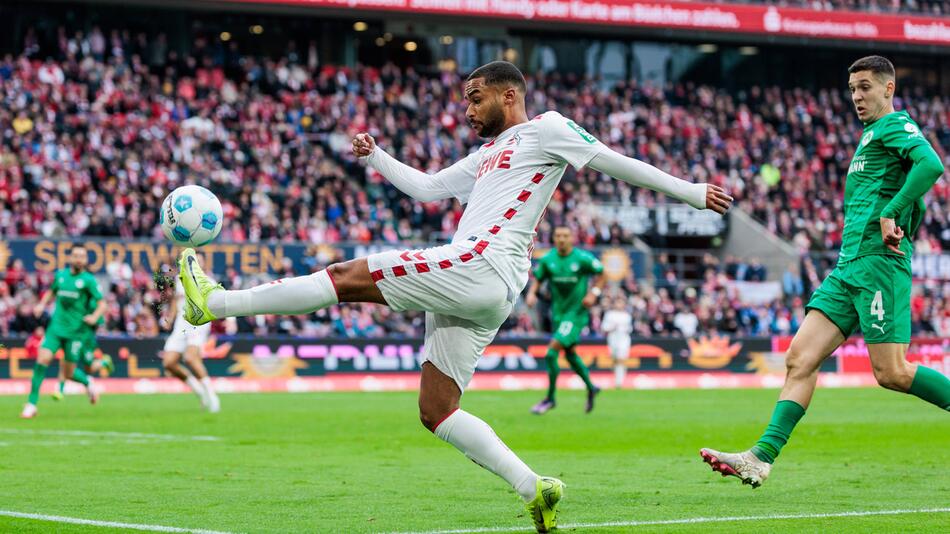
<point x="88" y="361"/>
<point x="892" y="168"/>
<point x="76" y="292"/>
<point x="567" y="270"/>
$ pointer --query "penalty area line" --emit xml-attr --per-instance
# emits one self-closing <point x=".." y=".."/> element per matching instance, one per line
<point x="695" y="520"/>
<point x="109" y="524"/>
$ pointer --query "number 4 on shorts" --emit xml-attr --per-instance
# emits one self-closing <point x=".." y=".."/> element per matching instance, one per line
<point x="877" y="306"/>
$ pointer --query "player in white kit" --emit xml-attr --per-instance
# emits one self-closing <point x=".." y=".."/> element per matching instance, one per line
<point x="467" y="287"/>
<point x="618" y="325"/>
<point x="188" y="340"/>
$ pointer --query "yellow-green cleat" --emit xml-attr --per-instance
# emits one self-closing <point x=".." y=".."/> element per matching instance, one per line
<point x="543" y="509"/>
<point x="197" y="287"/>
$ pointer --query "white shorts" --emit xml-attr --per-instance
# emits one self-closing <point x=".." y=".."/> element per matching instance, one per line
<point x="619" y="350"/>
<point x="184" y="335"/>
<point x="464" y="298"/>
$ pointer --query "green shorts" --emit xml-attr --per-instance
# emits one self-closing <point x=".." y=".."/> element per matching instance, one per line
<point x="90" y="344"/>
<point x="872" y="292"/>
<point x="73" y="347"/>
<point x="567" y="329"/>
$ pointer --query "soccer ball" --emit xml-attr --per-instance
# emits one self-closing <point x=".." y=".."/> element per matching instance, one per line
<point x="191" y="216"/>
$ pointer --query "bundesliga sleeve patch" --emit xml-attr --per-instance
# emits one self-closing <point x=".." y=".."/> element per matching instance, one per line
<point x="582" y="132"/>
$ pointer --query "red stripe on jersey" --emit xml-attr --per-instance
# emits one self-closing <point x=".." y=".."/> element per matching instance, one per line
<point x="494" y="229"/>
<point x="510" y="213"/>
<point x="524" y="195"/>
<point x="422" y="268"/>
<point x="480" y="246"/>
<point x="399" y="270"/>
<point x="466" y="257"/>
<point x="445" y="264"/>
<point x="376" y="275"/>
<point x="537" y="178"/>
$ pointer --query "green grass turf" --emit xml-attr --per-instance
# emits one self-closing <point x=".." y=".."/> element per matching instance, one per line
<point x="352" y="462"/>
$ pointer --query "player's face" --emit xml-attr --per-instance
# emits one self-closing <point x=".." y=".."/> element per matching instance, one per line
<point x="486" y="111"/>
<point x="78" y="259"/>
<point x="563" y="240"/>
<point x="870" y="94"/>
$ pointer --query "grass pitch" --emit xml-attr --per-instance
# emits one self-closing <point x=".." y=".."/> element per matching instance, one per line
<point x="361" y="462"/>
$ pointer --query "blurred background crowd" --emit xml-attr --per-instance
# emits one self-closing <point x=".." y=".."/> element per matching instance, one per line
<point x="100" y="125"/>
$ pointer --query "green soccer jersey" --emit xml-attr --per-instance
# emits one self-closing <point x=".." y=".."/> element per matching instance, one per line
<point x="76" y="297"/>
<point x="877" y="172"/>
<point x="568" y="277"/>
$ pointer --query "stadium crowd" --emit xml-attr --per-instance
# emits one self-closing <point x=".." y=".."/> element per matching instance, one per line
<point x="97" y="130"/>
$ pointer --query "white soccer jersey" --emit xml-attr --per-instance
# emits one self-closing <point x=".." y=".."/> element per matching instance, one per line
<point x="618" y="324"/>
<point x="507" y="184"/>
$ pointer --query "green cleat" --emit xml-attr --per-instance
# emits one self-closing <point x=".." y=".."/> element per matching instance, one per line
<point x="197" y="288"/>
<point x="57" y="395"/>
<point x="543" y="509"/>
<point x="107" y="364"/>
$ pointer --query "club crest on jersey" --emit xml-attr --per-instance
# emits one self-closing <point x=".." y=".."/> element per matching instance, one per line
<point x="500" y="160"/>
<point x="867" y="138"/>
<point x="911" y="129"/>
<point x="79" y="284"/>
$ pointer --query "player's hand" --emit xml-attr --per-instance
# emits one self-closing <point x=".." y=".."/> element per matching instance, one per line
<point x="531" y="300"/>
<point x="363" y="145"/>
<point x="589" y="300"/>
<point x="90" y="319"/>
<point x="717" y="199"/>
<point x="892" y="235"/>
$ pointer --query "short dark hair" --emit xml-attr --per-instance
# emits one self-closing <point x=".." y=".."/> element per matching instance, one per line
<point x="880" y="66"/>
<point x="74" y="246"/>
<point x="500" y="73"/>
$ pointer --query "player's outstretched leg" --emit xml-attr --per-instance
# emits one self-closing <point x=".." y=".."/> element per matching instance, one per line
<point x="578" y="366"/>
<point x="439" y="411"/>
<point x="894" y="372"/>
<point x="206" y="301"/>
<point x="171" y="361"/>
<point x="193" y="361"/>
<point x="550" y="360"/>
<point x="816" y="340"/>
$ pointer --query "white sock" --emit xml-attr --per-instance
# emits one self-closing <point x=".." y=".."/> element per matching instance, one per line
<point x="195" y="386"/>
<point x="479" y="443"/>
<point x="209" y="389"/>
<point x="287" y="296"/>
<point x="620" y="372"/>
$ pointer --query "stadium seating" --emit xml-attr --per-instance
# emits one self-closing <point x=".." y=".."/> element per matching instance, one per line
<point x="101" y="128"/>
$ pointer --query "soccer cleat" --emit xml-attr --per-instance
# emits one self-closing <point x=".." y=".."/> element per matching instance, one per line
<point x="214" y="405"/>
<point x="591" y="393"/>
<point x="93" y="391"/>
<point x="543" y="407"/>
<point x="57" y="395"/>
<point x="107" y="364"/>
<point x="29" y="411"/>
<point x="197" y="287"/>
<point x="743" y="465"/>
<point x="543" y="509"/>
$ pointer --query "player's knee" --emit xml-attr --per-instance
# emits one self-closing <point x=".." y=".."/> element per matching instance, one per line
<point x="431" y="417"/>
<point x="799" y="362"/>
<point x="897" y="378"/>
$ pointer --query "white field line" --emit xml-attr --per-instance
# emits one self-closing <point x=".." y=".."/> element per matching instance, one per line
<point x="694" y="520"/>
<point x="110" y="524"/>
<point x="107" y="434"/>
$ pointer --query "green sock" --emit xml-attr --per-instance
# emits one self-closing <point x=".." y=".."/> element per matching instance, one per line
<point x="80" y="376"/>
<point x="931" y="386"/>
<point x="578" y="366"/>
<point x="62" y="386"/>
<point x="553" y="370"/>
<point x="39" y="373"/>
<point x="786" y="415"/>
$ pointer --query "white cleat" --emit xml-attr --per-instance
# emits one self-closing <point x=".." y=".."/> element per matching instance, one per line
<point x="214" y="405"/>
<point x="743" y="465"/>
<point x="29" y="411"/>
<point x="93" y="391"/>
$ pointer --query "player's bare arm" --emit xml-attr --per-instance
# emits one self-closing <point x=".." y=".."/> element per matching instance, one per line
<point x="531" y="299"/>
<point x="43" y="303"/>
<point x="596" y="290"/>
<point x="93" y="317"/>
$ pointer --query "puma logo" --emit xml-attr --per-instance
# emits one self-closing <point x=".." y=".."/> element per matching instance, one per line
<point x="879" y="327"/>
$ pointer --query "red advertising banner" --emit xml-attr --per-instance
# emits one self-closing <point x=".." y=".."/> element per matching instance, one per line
<point x="753" y="19"/>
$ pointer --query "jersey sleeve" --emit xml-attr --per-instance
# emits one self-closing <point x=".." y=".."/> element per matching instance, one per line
<point x="541" y="270"/>
<point x="459" y="178"/>
<point x="563" y="140"/>
<point x="594" y="266"/>
<point x="902" y="135"/>
<point x="54" y="287"/>
<point x="92" y="287"/>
